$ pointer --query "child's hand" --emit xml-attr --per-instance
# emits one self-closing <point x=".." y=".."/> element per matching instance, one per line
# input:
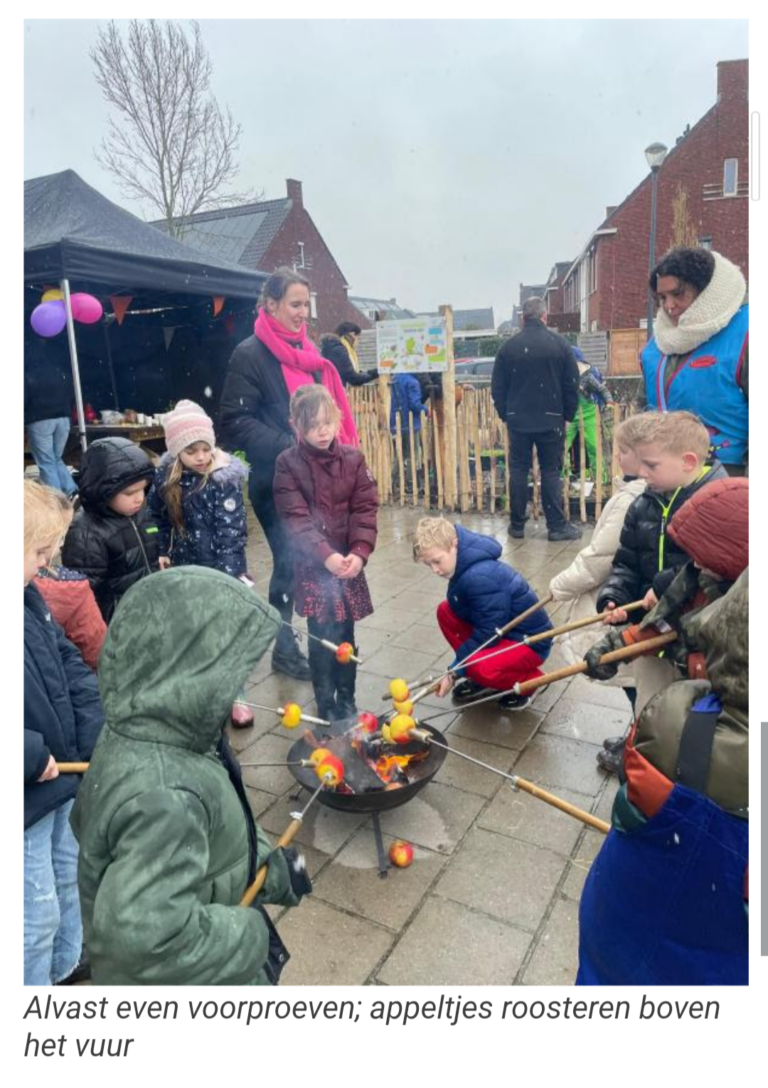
<point x="164" y="562"/>
<point x="650" y="600"/>
<point x="445" y="685"/>
<point x="617" y="615"/>
<point x="354" y="565"/>
<point x="336" y="564"/>
<point x="51" y="771"/>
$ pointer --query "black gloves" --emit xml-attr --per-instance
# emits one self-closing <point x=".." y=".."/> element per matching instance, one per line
<point x="610" y="641"/>
<point x="372" y="373"/>
<point x="301" y="885"/>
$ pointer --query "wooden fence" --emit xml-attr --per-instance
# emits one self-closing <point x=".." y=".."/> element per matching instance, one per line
<point x="414" y="467"/>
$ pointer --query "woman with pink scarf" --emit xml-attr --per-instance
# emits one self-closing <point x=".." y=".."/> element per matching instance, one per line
<point x="263" y="372"/>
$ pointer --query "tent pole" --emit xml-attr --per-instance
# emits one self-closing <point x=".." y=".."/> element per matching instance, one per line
<point x="111" y="367"/>
<point x="75" y="367"/>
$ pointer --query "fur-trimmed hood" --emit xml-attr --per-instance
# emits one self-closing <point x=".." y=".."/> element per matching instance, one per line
<point x="710" y="312"/>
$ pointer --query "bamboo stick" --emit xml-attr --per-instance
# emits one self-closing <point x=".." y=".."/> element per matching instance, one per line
<point x="477" y="440"/>
<point x="426" y="438"/>
<point x="399" y="450"/>
<point x="439" y="446"/>
<point x="575" y="625"/>
<point x="599" y="464"/>
<point x="582" y="468"/>
<point x="411" y="439"/>
<point x="626" y="653"/>
<point x="463" y="458"/>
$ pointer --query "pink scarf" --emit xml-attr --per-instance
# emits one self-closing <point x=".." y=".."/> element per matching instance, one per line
<point x="299" y="364"/>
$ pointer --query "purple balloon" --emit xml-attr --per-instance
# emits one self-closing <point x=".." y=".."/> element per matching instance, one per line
<point x="49" y="318"/>
<point x="86" y="308"/>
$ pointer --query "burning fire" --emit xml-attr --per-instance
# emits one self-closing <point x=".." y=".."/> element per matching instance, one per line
<point x="390" y="769"/>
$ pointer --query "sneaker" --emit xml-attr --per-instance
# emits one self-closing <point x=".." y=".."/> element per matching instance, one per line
<point x="466" y="689"/>
<point x="513" y="702"/>
<point x="610" y="761"/>
<point x="568" y="532"/>
<point x="518" y="532"/>
<point x="613" y="744"/>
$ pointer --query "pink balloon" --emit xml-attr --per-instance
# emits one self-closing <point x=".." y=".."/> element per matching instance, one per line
<point x="49" y="318"/>
<point x="86" y="308"/>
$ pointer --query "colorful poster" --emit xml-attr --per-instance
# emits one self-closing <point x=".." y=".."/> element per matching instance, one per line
<point x="415" y="344"/>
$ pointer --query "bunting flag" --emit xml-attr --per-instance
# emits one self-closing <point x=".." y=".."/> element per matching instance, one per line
<point x="168" y="332"/>
<point x="120" y="304"/>
<point x="218" y="304"/>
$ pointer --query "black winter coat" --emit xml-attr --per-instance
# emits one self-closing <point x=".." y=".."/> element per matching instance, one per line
<point x="47" y="385"/>
<point x="215" y="532"/>
<point x="62" y="709"/>
<point x="112" y="550"/>
<point x="253" y="413"/>
<point x="647" y="554"/>
<point x="332" y="348"/>
<point x="535" y="382"/>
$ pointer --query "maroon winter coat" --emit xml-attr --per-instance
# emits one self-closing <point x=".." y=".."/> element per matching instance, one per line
<point x="328" y="501"/>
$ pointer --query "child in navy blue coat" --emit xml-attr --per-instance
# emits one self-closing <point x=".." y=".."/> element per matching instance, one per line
<point x="484" y="594"/>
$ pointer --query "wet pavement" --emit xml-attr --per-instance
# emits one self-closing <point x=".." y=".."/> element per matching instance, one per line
<point x="492" y="895"/>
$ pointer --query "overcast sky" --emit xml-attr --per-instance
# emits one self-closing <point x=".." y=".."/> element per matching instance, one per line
<point x="441" y="161"/>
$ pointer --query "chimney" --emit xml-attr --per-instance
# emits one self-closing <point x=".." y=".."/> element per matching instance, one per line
<point x="732" y="79"/>
<point x="293" y="189"/>
<point x="610" y="210"/>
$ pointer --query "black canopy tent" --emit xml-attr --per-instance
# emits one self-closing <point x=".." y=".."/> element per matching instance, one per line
<point x="75" y="236"/>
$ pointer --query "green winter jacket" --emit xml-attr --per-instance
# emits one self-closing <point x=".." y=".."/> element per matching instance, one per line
<point x="163" y="838"/>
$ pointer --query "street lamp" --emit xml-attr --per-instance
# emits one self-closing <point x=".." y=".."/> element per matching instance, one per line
<point x="655" y="155"/>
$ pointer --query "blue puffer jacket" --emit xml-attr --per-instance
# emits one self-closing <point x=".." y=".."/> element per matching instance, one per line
<point x="406" y="399"/>
<point x="214" y="516"/>
<point x="62" y="709"/>
<point x="488" y="594"/>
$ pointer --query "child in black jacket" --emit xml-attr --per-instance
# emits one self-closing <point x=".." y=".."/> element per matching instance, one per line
<point x="113" y="540"/>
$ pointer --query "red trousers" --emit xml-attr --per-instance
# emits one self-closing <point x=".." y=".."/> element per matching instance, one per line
<point x="499" y="673"/>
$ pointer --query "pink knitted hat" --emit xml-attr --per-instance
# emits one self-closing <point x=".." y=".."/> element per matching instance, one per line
<point x="187" y="423"/>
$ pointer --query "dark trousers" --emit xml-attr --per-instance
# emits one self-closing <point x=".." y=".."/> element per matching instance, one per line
<point x="281" y="582"/>
<point x="333" y="683"/>
<point x="549" y="447"/>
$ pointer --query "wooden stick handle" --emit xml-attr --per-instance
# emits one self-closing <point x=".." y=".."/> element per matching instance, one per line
<point x="72" y="768"/>
<point x="626" y="653"/>
<point x="253" y="889"/>
<point x="528" y="612"/>
<point x="564" y="806"/>
<point x="576" y="624"/>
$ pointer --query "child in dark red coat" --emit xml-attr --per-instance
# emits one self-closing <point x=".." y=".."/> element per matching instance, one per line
<point x="326" y="496"/>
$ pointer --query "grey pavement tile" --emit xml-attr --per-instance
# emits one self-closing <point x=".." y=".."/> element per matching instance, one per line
<point x="277" y="689"/>
<point x="604" y="694"/>
<point x="521" y="816"/>
<point x="244" y="737"/>
<point x="437" y="818"/>
<point x="390" y="661"/>
<point x="605" y="804"/>
<point x="391" y="617"/>
<point x="555" y="959"/>
<point x="590" y="722"/>
<point x="427" y="639"/>
<point x="510" y="880"/>
<point x="459" y="772"/>
<point x="268" y="749"/>
<point x="352" y="881"/>
<point x="324" y="828"/>
<point x="259" y="800"/>
<point x="448" y="944"/>
<point x="491" y="725"/>
<point x="329" y="947"/>
<point x="557" y="761"/>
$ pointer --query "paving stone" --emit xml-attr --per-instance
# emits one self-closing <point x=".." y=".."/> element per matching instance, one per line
<point x="277" y="689"/>
<point x="448" y="944"/>
<point x="392" y="617"/>
<point x="605" y="804"/>
<point x="352" y="881"/>
<point x="520" y="816"/>
<point x="329" y="947"/>
<point x="459" y="772"/>
<point x="268" y="749"/>
<point x="558" y="762"/>
<point x="429" y="640"/>
<point x="555" y="959"/>
<point x="324" y="828"/>
<point x="508" y="879"/>
<point x="437" y="818"/>
<point x="390" y="661"/>
<point x="491" y="725"/>
<point x="592" y="692"/>
<point x="259" y="800"/>
<point x="585" y="721"/>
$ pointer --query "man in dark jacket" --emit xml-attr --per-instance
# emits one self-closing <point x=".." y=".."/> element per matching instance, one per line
<point x="113" y="547"/>
<point x="339" y="347"/>
<point x="535" y="388"/>
<point x="47" y="403"/>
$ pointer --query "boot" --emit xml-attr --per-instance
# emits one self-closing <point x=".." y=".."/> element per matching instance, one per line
<point x="286" y="656"/>
<point x="321" y="663"/>
<point x="345" y="677"/>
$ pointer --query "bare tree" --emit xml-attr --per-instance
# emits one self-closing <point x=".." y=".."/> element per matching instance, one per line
<point x="170" y="145"/>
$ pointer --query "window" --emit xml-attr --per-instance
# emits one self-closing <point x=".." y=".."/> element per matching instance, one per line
<point x="706" y="241"/>
<point x="730" y="177"/>
<point x="301" y="263"/>
<point x="313" y="305"/>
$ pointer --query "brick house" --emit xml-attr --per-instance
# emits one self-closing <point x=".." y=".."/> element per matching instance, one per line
<point x="702" y="186"/>
<point x="271" y="233"/>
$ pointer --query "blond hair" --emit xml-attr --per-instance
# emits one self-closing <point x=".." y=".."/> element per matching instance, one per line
<point x="172" y="494"/>
<point x="673" y="432"/>
<point x="306" y="404"/>
<point x="432" y="533"/>
<point x="45" y="518"/>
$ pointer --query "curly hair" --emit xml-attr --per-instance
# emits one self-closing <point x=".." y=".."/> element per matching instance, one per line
<point x="693" y="266"/>
<point x="432" y="533"/>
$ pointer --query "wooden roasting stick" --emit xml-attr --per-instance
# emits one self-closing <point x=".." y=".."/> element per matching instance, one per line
<point x="72" y="768"/>
<point x="626" y="653"/>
